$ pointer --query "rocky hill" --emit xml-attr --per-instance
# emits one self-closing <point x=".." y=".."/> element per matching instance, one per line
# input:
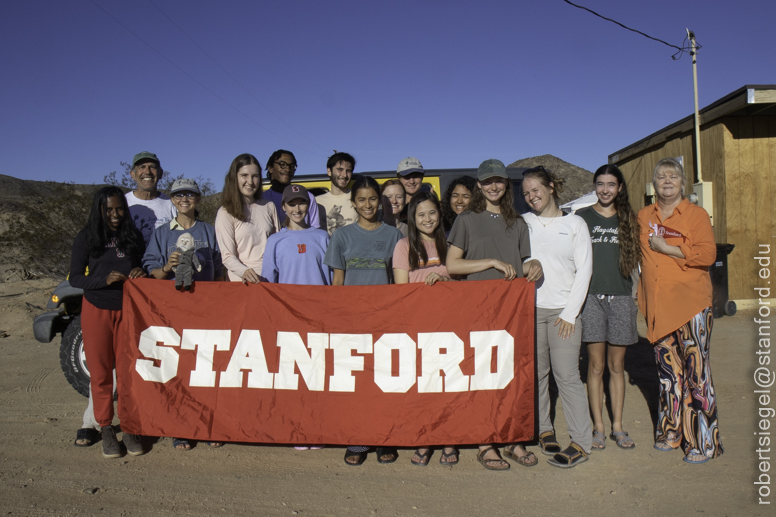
<point x="576" y="181"/>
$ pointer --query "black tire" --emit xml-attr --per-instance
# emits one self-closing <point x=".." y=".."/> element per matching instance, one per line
<point x="730" y="308"/>
<point x="73" y="359"/>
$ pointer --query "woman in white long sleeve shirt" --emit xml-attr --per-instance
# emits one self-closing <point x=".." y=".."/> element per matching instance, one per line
<point x="562" y="245"/>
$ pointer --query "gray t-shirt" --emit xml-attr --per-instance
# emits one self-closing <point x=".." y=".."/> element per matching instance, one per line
<point x="604" y="234"/>
<point x="364" y="255"/>
<point x="486" y="236"/>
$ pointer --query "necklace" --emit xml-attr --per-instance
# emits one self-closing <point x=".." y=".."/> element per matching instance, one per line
<point x="552" y="220"/>
<point x="494" y="216"/>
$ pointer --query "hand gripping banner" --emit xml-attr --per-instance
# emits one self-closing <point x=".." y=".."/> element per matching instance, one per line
<point x="403" y="365"/>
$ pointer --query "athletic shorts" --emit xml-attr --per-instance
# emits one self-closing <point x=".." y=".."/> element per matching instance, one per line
<point x="609" y="319"/>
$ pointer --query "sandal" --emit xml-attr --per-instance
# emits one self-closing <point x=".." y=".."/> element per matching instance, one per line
<point x="387" y="451"/>
<point x="181" y="444"/>
<point x="663" y="446"/>
<point x="89" y="435"/>
<point x="215" y="445"/>
<point x="599" y="440"/>
<point x="423" y="458"/>
<point x="353" y="454"/>
<point x="572" y="456"/>
<point x="688" y="458"/>
<point x="621" y="437"/>
<point x="527" y="460"/>
<point x="492" y="464"/>
<point x="549" y="443"/>
<point x="445" y="458"/>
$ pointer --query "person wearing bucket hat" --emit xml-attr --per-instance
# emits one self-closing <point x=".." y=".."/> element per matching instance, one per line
<point x="494" y="240"/>
<point x="163" y="260"/>
<point x="410" y="173"/>
<point x="148" y="208"/>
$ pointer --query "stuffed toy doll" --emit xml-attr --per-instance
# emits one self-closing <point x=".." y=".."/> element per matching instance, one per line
<point x="188" y="262"/>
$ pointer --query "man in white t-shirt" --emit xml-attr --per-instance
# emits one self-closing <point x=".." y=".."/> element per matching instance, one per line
<point x="148" y="207"/>
<point x="334" y="206"/>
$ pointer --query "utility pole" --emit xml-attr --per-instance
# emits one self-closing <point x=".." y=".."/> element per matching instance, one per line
<point x="694" y="54"/>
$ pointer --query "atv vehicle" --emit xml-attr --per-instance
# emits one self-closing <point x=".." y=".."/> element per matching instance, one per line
<point x="64" y="316"/>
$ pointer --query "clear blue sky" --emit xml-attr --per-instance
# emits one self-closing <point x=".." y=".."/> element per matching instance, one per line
<point x="450" y="82"/>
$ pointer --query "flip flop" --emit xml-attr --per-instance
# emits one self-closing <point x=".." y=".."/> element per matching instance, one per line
<point x="696" y="462"/>
<point x="621" y="437"/>
<point x="572" y="456"/>
<point x="446" y="456"/>
<point x="599" y="441"/>
<point x="424" y="458"/>
<point x="90" y="435"/>
<point x="524" y="460"/>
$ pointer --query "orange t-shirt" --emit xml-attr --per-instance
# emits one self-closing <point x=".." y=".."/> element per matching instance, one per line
<point x="673" y="290"/>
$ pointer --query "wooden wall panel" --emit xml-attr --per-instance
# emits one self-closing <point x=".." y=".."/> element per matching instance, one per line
<point x="734" y="192"/>
<point x="713" y="162"/>
<point x="763" y="197"/>
<point x="747" y="245"/>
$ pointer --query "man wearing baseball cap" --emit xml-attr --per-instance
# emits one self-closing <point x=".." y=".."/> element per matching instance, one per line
<point x="148" y="207"/>
<point x="410" y="174"/>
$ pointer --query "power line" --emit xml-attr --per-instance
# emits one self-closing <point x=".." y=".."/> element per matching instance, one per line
<point x="193" y="78"/>
<point x="680" y="50"/>
<point x="231" y="76"/>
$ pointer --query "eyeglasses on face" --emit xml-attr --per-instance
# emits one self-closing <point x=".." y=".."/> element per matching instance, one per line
<point x="286" y="165"/>
<point x="181" y="195"/>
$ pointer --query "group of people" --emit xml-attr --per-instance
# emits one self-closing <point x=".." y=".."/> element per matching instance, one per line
<point x="364" y="233"/>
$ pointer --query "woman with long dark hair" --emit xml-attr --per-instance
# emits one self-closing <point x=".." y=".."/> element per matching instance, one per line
<point x="457" y="198"/>
<point x="245" y="220"/>
<point x="360" y="254"/>
<point x="609" y="314"/>
<point x="111" y="249"/>
<point x="420" y="257"/>
<point x="490" y="242"/>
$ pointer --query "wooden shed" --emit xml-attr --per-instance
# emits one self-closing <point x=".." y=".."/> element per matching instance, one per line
<point x="738" y="157"/>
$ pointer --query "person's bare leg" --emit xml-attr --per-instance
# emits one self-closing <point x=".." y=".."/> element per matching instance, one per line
<point x="616" y="363"/>
<point x="596" y="353"/>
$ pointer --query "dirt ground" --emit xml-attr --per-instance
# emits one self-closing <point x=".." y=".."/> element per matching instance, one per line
<point x="41" y="473"/>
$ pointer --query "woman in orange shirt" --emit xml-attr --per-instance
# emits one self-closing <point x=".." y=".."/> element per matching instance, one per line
<point x="678" y="247"/>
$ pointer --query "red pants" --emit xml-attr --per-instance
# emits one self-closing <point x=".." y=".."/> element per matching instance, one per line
<point x="100" y="327"/>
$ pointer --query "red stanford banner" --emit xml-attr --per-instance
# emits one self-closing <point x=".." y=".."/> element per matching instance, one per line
<point x="403" y="365"/>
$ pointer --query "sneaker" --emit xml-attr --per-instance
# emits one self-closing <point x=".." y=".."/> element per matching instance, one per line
<point x="133" y="443"/>
<point x="110" y="445"/>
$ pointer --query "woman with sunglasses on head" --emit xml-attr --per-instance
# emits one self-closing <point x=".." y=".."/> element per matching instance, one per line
<point x="111" y="248"/>
<point x="420" y="257"/>
<point x="457" y="198"/>
<point x="562" y="244"/>
<point x="163" y="260"/>
<point x="609" y="314"/>
<point x="360" y="254"/>
<point x="245" y="220"/>
<point x="490" y="242"/>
